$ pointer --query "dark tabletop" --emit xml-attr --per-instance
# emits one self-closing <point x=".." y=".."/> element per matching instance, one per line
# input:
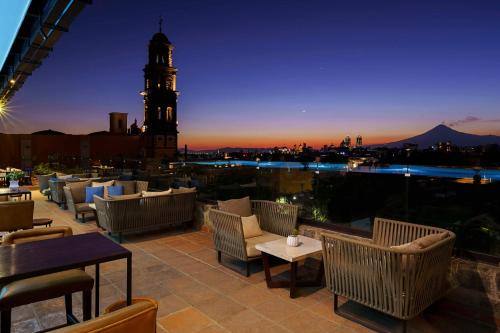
<point x="8" y="191"/>
<point x="53" y="255"/>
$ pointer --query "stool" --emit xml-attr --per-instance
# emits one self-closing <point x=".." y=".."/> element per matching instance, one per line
<point x="42" y="221"/>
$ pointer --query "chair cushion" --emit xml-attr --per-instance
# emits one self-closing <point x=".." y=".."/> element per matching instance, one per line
<point x="82" y="207"/>
<point x="78" y="190"/>
<point x="251" y="242"/>
<point x="91" y="190"/>
<point x="251" y="226"/>
<point x="115" y="190"/>
<point x="125" y="196"/>
<point x="106" y="185"/>
<point x="241" y="207"/>
<point x="128" y="186"/>
<point x="426" y="241"/>
<point x="183" y="190"/>
<point x="156" y="194"/>
<point x="44" y="287"/>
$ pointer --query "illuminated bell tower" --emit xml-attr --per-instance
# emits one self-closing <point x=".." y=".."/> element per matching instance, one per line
<point x="160" y="100"/>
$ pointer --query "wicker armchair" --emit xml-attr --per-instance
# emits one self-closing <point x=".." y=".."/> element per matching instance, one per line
<point x="274" y="219"/>
<point x="399" y="282"/>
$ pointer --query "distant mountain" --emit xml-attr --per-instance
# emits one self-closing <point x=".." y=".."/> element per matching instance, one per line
<point x="443" y="133"/>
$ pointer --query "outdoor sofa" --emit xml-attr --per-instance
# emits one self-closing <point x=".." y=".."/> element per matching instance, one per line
<point x="141" y="214"/>
<point x="276" y="220"/>
<point x="392" y="272"/>
<point x="74" y="193"/>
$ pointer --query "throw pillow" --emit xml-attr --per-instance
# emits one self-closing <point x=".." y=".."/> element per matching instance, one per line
<point x="156" y="194"/>
<point x="105" y="184"/>
<point x="91" y="190"/>
<point x="126" y="196"/>
<point x="429" y="240"/>
<point x="251" y="227"/>
<point x="128" y="186"/>
<point x="115" y="190"/>
<point x="241" y="207"/>
<point x="183" y="190"/>
<point x="78" y="190"/>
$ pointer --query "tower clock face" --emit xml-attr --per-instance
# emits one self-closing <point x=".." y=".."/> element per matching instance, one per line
<point x="171" y="140"/>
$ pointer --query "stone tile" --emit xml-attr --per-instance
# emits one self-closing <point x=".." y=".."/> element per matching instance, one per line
<point x="248" y="321"/>
<point x="306" y="321"/>
<point x="213" y="329"/>
<point x="195" y="294"/>
<point x="277" y="309"/>
<point x="30" y="325"/>
<point x="220" y="307"/>
<point x="251" y="295"/>
<point x="185" y="321"/>
<point x="170" y="304"/>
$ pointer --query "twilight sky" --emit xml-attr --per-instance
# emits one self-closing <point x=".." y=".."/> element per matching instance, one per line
<point x="273" y="72"/>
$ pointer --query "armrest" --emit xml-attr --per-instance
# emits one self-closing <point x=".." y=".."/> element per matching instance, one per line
<point x="228" y="233"/>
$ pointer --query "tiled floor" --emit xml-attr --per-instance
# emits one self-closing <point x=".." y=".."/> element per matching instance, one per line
<point x="196" y="294"/>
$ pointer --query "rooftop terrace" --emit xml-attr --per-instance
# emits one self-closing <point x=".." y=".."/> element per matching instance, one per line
<point x="179" y="268"/>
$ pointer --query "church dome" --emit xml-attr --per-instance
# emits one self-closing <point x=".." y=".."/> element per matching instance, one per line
<point x="160" y="37"/>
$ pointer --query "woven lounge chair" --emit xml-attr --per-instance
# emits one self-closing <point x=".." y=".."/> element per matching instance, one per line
<point x="398" y="282"/>
<point x="274" y="219"/>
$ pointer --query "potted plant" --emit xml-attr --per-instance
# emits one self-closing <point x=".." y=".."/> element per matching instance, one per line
<point x="293" y="239"/>
<point x="13" y="178"/>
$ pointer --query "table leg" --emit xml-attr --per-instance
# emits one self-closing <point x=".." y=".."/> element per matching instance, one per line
<point x="129" y="280"/>
<point x="267" y="270"/>
<point x="293" y="279"/>
<point x="97" y="273"/>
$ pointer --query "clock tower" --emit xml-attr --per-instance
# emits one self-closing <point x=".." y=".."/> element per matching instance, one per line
<point x="160" y="99"/>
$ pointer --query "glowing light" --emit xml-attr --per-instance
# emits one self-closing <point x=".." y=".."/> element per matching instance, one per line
<point x="12" y="81"/>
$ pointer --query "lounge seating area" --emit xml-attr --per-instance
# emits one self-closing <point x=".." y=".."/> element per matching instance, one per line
<point x="187" y="280"/>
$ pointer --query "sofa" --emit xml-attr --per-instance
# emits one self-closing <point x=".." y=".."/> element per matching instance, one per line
<point x="276" y="220"/>
<point x="74" y="193"/>
<point x="56" y="186"/>
<point x="136" y="215"/>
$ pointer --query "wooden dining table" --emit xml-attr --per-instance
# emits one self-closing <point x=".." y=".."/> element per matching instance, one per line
<point x="21" y="261"/>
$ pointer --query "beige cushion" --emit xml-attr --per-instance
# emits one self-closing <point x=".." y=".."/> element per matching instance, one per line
<point x="128" y="186"/>
<point x="241" y="207"/>
<point x="126" y="196"/>
<point x="251" y="226"/>
<point x="431" y="239"/>
<point x="183" y="190"/>
<point x="422" y="242"/>
<point x="78" y="190"/>
<point x="156" y="194"/>
<point x="407" y="247"/>
<point x="251" y="242"/>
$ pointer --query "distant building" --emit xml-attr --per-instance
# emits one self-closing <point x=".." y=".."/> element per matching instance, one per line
<point x="346" y="142"/>
<point x="160" y="100"/>
<point x="359" y="141"/>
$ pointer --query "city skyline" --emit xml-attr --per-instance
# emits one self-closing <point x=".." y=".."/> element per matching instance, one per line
<point x="285" y="72"/>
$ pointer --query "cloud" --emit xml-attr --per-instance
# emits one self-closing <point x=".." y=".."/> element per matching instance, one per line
<point x="466" y="120"/>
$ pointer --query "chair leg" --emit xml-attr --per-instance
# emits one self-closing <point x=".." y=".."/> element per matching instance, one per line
<point x="120" y="237"/>
<point x="68" y="303"/>
<point x="219" y="256"/>
<point x="335" y="302"/>
<point x="87" y="305"/>
<point x="5" y="318"/>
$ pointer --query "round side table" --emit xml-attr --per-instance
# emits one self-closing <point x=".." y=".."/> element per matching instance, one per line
<point x="42" y="222"/>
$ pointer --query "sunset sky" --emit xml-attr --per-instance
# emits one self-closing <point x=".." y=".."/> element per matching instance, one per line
<point x="257" y="73"/>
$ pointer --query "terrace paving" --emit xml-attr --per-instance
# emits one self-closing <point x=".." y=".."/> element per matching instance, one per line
<point x="196" y="294"/>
